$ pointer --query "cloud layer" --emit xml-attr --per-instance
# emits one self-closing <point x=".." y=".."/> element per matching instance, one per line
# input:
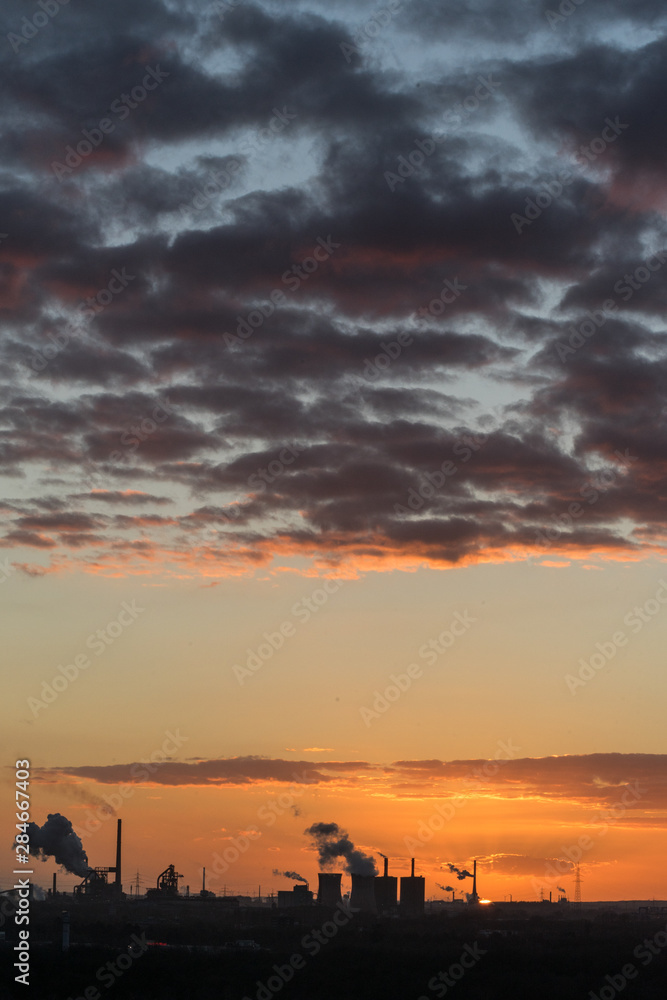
<point x="271" y="288"/>
<point x="596" y="780"/>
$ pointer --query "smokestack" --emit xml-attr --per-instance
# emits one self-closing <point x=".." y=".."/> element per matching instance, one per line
<point x="329" y="889"/>
<point x="412" y="869"/>
<point x="363" y="893"/>
<point x="53" y="891"/>
<point x="386" y="867"/>
<point x="203" y="881"/>
<point x="118" y="883"/>
<point x="474" y="898"/>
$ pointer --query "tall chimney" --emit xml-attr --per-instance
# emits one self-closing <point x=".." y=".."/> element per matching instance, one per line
<point x="118" y="883"/>
<point x="54" y="884"/>
<point x="412" y="870"/>
<point x="386" y="867"/>
<point x="203" y="881"/>
<point x="474" y="898"/>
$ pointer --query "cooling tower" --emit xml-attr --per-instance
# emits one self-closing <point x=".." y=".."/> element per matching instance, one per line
<point x="363" y="893"/>
<point x="386" y="890"/>
<point x="329" y="889"/>
<point x="413" y="893"/>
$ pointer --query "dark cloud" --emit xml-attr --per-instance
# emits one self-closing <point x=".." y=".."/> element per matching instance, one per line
<point x="599" y="778"/>
<point x="302" y="238"/>
<point x="126" y="498"/>
<point x="522" y="21"/>
<point x="521" y="864"/>
<point x="227" y="771"/>
<point x="549" y="93"/>
<point x="599" y="781"/>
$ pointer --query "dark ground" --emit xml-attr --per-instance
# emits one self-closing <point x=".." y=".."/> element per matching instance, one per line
<point x="527" y="953"/>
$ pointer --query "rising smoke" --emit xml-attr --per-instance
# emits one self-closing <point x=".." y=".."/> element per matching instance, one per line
<point x="57" y="839"/>
<point x="460" y="872"/>
<point x="561" y="889"/>
<point x="445" y="888"/>
<point x="293" y="875"/>
<point x="333" y="843"/>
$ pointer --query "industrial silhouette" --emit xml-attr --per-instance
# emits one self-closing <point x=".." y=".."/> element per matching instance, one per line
<point x="370" y="893"/>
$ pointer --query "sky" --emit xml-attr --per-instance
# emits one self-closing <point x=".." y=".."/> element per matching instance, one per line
<point x="333" y="449"/>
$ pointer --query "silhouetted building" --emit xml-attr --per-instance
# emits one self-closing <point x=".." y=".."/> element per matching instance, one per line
<point x="299" y="895"/>
<point x="363" y="893"/>
<point x="96" y="882"/>
<point x="167" y="885"/>
<point x="329" y="888"/>
<point x="386" y="890"/>
<point x="413" y="894"/>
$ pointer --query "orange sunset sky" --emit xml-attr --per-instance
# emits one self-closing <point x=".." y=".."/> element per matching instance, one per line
<point x="487" y="753"/>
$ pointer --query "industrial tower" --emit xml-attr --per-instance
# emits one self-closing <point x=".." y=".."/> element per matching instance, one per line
<point x="474" y="897"/>
<point x="577" y="886"/>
